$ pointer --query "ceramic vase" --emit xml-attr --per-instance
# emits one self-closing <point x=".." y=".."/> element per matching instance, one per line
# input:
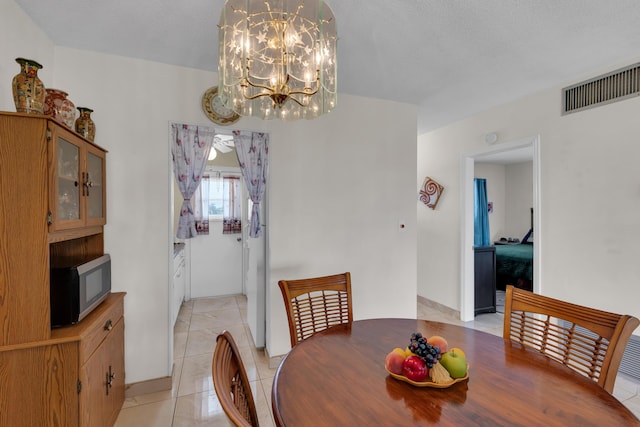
<point x="85" y="125"/>
<point x="59" y="107"/>
<point x="28" y="89"/>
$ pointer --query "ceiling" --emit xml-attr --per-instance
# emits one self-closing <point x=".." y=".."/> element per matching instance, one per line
<point x="451" y="58"/>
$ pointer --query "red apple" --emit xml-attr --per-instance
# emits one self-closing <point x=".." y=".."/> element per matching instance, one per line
<point x="394" y="360"/>
<point x="415" y="369"/>
<point x="438" y="341"/>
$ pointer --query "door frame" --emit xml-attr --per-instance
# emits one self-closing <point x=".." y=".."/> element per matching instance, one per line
<point x="467" y="169"/>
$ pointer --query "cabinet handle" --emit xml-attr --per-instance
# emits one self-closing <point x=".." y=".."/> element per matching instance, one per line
<point x="110" y="376"/>
<point x="108" y="326"/>
<point x="86" y="183"/>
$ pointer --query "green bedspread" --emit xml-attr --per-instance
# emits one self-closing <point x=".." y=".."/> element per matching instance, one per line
<point x="515" y="261"/>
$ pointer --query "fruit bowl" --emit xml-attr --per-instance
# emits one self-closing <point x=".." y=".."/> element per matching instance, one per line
<point x="429" y="383"/>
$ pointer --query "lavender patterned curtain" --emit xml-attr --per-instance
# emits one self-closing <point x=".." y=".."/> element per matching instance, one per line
<point x="190" y="149"/>
<point x="252" y="149"/>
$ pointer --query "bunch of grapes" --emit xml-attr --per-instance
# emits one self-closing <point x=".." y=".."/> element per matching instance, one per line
<point x="421" y="348"/>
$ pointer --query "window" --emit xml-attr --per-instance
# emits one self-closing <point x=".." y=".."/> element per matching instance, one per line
<point x="222" y="195"/>
<point x="216" y="204"/>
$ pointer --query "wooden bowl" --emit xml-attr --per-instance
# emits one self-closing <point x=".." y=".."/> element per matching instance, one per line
<point x="429" y="383"/>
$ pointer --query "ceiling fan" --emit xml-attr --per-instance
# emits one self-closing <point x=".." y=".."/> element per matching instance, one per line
<point x="222" y="143"/>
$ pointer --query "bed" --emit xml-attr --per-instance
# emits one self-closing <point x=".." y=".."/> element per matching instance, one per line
<point x="514" y="266"/>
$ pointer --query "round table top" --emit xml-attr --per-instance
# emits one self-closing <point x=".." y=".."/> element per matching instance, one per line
<point x="337" y="378"/>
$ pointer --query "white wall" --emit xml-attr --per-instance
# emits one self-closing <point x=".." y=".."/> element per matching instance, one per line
<point x="590" y="198"/>
<point x="21" y="38"/>
<point x="519" y="190"/>
<point x="339" y="187"/>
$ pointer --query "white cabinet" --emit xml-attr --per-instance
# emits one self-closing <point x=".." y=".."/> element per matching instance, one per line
<point x="179" y="283"/>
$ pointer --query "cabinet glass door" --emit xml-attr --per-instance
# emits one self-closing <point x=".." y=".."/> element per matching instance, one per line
<point x="68" y="203"/>
<point x="95" y="186"/>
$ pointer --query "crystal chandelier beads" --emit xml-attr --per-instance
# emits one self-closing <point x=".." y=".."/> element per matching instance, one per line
<point x="278" y="58"/>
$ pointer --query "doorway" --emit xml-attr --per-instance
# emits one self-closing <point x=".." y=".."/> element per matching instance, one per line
<point x="528" y="147"/>
<point x="235" y="264"/>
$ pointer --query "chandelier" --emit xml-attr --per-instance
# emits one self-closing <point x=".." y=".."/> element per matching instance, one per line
<point x="278" y="58"/>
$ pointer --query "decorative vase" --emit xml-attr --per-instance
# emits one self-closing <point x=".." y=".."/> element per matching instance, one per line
<point x="59" y="107"/>
<point x="28" y="89"/>
<point x="84" y="125"/>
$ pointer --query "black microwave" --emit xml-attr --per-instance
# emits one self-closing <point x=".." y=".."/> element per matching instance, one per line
<point x="78" y="288"/>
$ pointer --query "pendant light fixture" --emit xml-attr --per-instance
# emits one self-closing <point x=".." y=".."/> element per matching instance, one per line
<point x="278" y="58"/>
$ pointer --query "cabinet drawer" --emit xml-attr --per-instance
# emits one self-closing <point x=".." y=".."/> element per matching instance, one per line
<point x="101" y="325"/>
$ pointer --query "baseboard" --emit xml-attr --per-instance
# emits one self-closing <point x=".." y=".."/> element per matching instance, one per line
<point x="274" y="361"/>
<point x="440" y="307"/>
<point x="149" y="386"/>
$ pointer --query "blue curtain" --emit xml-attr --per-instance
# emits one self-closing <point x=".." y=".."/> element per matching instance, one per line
<point x="481" y="213"/>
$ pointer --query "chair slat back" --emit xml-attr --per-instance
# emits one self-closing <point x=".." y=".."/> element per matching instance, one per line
<point x="316" y="304"/>
<point x="587" y="340"/>
<point x="231" y="383"/>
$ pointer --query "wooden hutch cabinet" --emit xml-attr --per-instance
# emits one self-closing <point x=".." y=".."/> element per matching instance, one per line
<point x="52" y="205"/>
<point x="77" y="176"/>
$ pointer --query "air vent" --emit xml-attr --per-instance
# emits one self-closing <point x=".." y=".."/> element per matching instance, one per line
<point x="630" y="365"/>
<point x="611" y="87"/>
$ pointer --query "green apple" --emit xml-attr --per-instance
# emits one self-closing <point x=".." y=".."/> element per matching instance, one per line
<point x="454" y="363"/>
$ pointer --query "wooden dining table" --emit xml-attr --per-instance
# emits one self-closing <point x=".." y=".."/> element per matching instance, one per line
<point x="337" y="378"/>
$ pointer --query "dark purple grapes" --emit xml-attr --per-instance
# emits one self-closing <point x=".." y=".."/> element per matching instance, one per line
<point x="421" y="348"/>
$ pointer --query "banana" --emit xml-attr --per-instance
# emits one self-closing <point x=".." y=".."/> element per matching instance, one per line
<point x="439" y="375"/>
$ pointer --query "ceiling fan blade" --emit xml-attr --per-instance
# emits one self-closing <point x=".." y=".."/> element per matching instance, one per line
<point x="223" y="143"/>
<point x="222" y="148"/>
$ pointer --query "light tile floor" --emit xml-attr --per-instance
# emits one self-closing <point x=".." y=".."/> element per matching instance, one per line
<point x="193" y="402"/>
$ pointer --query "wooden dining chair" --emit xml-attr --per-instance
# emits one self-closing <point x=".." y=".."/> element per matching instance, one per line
<point x="586" y="340"/>
<point x="231" y="383"/>
<point x="316" y="304"/>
